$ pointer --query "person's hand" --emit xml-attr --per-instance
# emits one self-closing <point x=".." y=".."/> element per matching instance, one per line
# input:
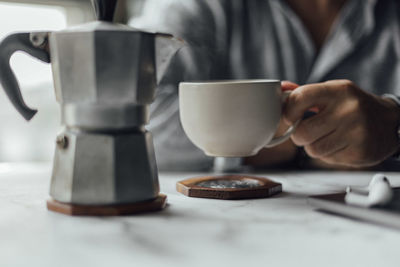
<point x="351" y="127"/>
<point x="278" y="154"/>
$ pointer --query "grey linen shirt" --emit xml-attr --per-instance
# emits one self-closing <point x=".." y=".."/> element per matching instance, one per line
<point x="246" y="39"/>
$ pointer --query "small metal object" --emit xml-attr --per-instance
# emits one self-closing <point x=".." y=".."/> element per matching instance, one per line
<point x="224" y="165"/>
<point x="39" y="39"/>
<point x="62" y="141"/>
<point x="104" y="9"/>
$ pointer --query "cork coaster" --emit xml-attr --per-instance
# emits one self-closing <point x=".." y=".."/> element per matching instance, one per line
<point x="229" y="187"/>
<point x="108" y="210"/>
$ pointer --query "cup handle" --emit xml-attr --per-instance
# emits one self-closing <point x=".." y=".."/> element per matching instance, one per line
<point x="280" y="139"/>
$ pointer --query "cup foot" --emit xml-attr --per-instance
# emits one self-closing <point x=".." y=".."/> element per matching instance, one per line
<point x="229" y="155"/>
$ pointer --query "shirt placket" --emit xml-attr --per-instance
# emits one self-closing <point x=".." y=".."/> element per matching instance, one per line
<point x="355" y="21"/>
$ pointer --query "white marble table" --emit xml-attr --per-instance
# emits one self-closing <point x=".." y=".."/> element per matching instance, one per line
<point x="281" y="231"/>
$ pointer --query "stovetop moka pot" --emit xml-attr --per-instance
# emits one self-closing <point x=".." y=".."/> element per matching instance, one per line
<point x="105" y="79"/>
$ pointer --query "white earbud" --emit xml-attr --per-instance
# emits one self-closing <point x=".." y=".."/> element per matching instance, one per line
<point x="379" y="193"/>
<point x="379" y="177"/>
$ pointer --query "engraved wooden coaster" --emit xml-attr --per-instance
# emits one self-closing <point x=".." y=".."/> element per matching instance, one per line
<point x="108" y="210"/>
<point x="229" y="187"/>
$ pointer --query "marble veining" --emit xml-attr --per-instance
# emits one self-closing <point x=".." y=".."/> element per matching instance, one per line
<point x="221" y="184"/>
<point x="281" y="231"/>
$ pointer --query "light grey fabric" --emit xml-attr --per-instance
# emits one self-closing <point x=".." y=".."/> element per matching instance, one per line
<point x="229" y="39"/>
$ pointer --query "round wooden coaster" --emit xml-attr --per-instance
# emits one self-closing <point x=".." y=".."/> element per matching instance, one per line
<point x="108" y="210"/>
<point x="229" y="187"/>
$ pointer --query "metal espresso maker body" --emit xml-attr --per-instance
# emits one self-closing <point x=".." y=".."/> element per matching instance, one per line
<point x="105" y="79"/>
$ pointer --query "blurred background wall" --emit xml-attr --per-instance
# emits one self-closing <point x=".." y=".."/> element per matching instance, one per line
<point x="35" y="140"/>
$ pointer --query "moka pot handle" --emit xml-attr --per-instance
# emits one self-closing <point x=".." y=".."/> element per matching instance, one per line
<point x="35" y="44"/>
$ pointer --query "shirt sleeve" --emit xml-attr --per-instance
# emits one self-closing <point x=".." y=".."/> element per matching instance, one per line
<point x="193" y="21"/>
<point x="395" y="98"/>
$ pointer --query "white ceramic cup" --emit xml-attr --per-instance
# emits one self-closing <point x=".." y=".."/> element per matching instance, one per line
<point x="233" y="118"/>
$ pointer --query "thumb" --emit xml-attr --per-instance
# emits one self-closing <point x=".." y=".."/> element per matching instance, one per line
<point x="288" y="86"/>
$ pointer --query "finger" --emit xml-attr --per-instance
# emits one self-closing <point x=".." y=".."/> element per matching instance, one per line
<point x="288" y="86"/>
<point x="351" y="156"/>
<point x="313" y="128"/>
<point x="327" y="145"/>
<point x="340" y="157"/>
<point x="308" y="96"/>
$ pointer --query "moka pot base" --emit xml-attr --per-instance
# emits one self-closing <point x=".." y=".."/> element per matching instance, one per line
<point x="108" y="210"/>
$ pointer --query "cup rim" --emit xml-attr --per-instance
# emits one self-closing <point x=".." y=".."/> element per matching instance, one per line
<point x="226" y="82"/>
